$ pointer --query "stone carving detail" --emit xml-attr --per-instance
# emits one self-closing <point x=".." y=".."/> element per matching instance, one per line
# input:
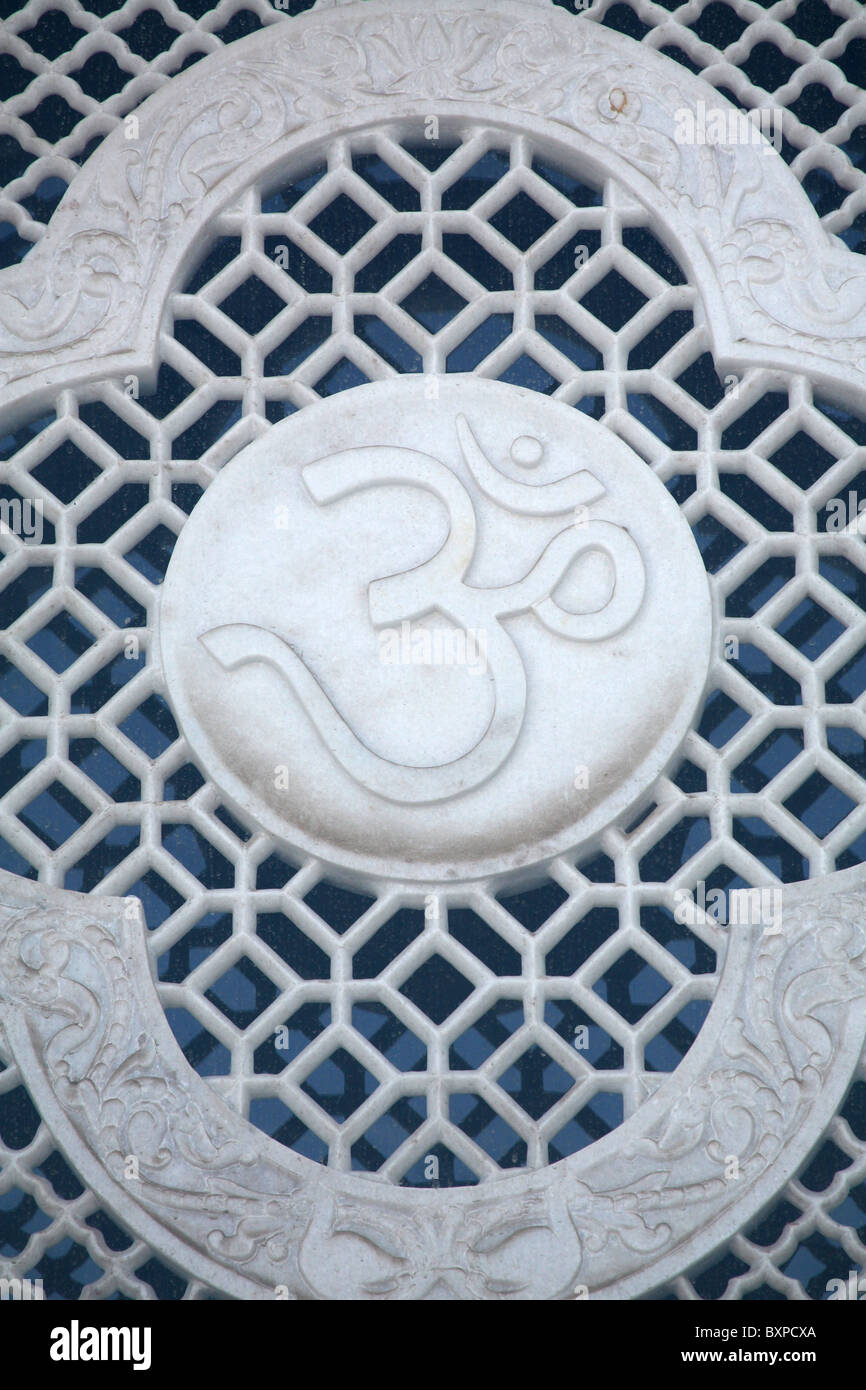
<point x="100" y="273"/>
<point x="77" y="1007"/>
<point x="96" y="284"/>
<point x="431" y="642"/>
<point x="437" y="585"/>
<point x="85" y="1026"/>
<point x="126" y="1090"/>
<point x="523" y="1246"/>
<point x="771" y="1061"/>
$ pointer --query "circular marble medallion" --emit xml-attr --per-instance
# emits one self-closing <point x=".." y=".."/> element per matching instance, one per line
<point x="436" y="628"/>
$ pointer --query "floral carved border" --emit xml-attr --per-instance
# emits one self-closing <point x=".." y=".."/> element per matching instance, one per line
<point x="87" y="301"/>
<point x="78" y="1010"/>
<point x="232" y="1207"/>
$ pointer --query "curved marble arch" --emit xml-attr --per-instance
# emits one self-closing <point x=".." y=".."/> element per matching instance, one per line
<point x="78" y="1009"/>
<point x="86" y="303"/>
<point x="228" y="1205"/>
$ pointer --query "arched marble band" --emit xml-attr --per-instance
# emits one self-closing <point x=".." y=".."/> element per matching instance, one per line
<point x="87" y="302"/>
<point x="230" y="1206"/>
<point x="78" y="1009"/>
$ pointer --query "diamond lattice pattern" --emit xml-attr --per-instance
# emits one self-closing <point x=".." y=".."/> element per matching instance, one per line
<point x="467" y="253"/>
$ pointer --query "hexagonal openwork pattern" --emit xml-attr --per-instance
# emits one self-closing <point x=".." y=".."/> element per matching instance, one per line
<point x="252" y="951"/>
<point x="374" y="1026"/>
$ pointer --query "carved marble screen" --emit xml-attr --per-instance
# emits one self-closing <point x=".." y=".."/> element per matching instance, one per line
<point x="256" y="1039"/>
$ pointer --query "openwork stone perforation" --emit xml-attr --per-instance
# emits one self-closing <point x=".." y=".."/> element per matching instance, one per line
<point x="81" y="69"/>
<point x="598" y="944"/>
<point x="533" y="63"/>
<point x="80" y="1015"/>
<point x="357" y="1091"/>
<point x="266" y="350"/>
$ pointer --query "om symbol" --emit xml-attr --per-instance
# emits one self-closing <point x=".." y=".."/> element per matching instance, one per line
<point x="438" y="586"/>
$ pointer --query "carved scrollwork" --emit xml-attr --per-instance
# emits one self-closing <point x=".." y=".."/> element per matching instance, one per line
<point x="78" y="1010"/>
<point x="235" y="1208"/>
<point x="95" y="285"/>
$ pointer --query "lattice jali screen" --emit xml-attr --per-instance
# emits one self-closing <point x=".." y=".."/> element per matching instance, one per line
<point x="374" y="1030"/>
<point x="71" y="72"/>
<point x="470" y="254"/>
